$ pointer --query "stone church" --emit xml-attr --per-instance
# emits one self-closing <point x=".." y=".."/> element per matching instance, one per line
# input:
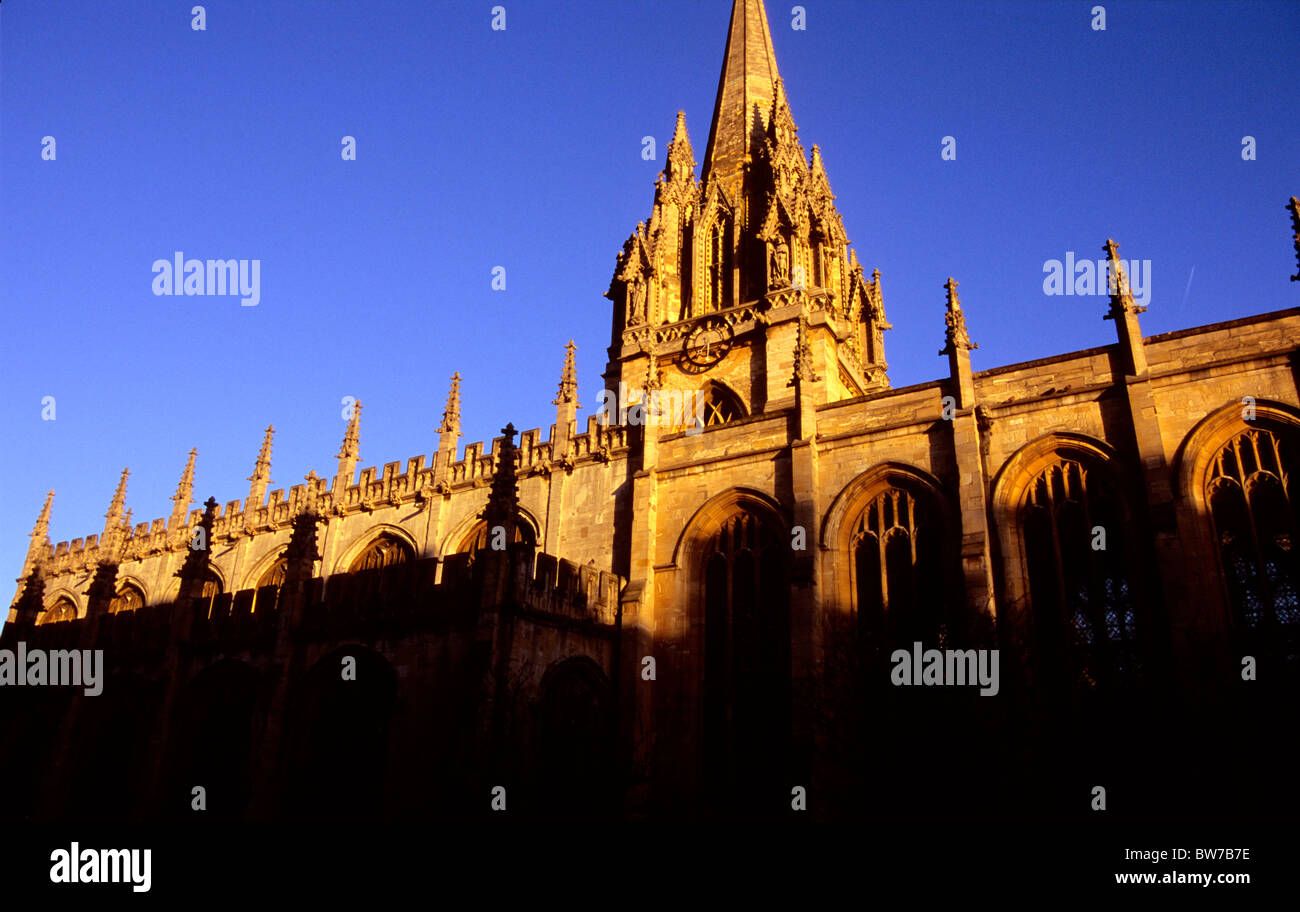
<point x="693" y="615"/>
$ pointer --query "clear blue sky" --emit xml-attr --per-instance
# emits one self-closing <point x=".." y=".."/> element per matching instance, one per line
<point x="522" y="148"/>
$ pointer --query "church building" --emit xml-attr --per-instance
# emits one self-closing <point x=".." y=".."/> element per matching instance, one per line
<point x="691" y="602"/>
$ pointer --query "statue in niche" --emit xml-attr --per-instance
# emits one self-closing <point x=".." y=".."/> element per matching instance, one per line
<point x="635" y="300"/>
<point x="780" y="264"/>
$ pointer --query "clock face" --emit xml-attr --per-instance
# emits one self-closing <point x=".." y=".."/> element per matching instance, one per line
<point x="707" y="344"/>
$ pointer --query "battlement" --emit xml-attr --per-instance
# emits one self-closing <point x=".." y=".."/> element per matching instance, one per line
<point x="390" y="486"/>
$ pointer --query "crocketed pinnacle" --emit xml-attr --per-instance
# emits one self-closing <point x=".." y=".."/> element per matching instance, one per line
<point x="568" y="377"/>
<point x="451" y="414"/>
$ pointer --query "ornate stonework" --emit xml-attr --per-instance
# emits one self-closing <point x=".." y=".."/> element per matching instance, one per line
<point x="766" y="558"/>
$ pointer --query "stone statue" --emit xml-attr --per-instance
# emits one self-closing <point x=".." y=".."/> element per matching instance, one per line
<point x="780" y="265"/>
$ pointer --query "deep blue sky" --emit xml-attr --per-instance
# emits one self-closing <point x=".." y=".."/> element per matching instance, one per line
<point x="522" y="148"/>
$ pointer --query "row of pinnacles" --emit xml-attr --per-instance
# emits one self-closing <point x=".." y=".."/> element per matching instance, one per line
<point x="318" y="499"/>
<point x="442" y="587"/>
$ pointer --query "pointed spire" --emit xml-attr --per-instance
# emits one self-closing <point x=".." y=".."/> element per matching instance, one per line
<point x="955" y="334"/>
<point x="568" y="377"/>
<point x="451" y="414"/>
<point x="680" y="164"/>
<point x="746" y="89"/>
<point x="184" y="495"/>
<point x="1294" y="206"/>
<point x="261" y="476"/>
<point x="113" y="518"/>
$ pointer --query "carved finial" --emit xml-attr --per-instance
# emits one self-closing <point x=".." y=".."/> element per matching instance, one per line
<point x="451" y="414"/>
<point x="194" y="570"/>
<point x="1294" y="206"/>
<point x="804" y="369"/>
<point x="957" y="337"/>
<point x="815" y="165"/>
<point x="41" y="531"/>
<point x="40" y="536"/>
<point x="262" y="470"/>
<point x="653" y="375"/>
<point x="680" y="163"/>
<point x="351" y="448"/>
<point x="184" y="495"/>
<point x="503" y="501"/>
<point x="568" y="378"/>
<point x="114" y="514"/>
<point x="1121" y="296"/>
<point x="261" y="476"/>
<point x="781" y="130"/>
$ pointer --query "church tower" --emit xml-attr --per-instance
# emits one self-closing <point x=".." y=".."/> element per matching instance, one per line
<point x="712" y="293"/>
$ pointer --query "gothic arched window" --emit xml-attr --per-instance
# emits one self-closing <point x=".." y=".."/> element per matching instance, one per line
<point x="62" y="610"/>
<point x="897" y="551"/>
<point x="746" y="658"/>
<point x="480" y="537"/>
<point x="211" y="589"/>
<point x="385" y="551"/>
<point x="720" y="405"/>
<point x="128" y="598"/>
<point x="1079" y="585"/>
<point x="1251" y="492"/>
<point x="273" y="575"/>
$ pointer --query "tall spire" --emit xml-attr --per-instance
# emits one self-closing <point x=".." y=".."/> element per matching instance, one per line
<point x="184" y="495"/>
<point x="261" y="476"/>
<point x="746" y="89"/>
<point x="568" y="378"/>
